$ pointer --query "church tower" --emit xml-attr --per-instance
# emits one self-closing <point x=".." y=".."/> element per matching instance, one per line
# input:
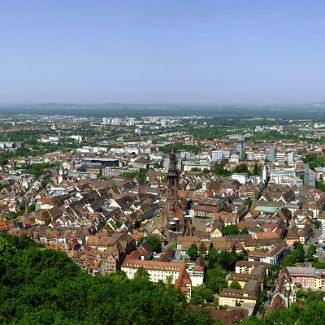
<point x="168" y="211"/>
<point x="173" y="179"/>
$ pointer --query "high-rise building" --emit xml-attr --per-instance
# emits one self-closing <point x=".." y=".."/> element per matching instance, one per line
<point x="291" y="157"/>
<point x="271" y="154"/>
<point x="130" y="121"/>
<point x="310" y="178"/>
<point x="106" y="121"/>
<point x="241" y="151"/>
<point x="281" y="157"/>
<point x="116" y="121"/>
<point x="264" y="174"/>
<point x="322" y="220"/>
<point x="239" y="146"/>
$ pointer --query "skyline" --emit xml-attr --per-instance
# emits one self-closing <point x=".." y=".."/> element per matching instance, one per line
<point x="222" y="52"/>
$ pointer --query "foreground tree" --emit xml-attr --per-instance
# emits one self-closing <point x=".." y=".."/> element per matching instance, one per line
<point x="201" y="295"/>
<point x="192" y="252"/>
<point x="235" y="285"/>
<point x="41" y="286"/>
<point x="216" y="280"/>
<point x="311" y="252"/>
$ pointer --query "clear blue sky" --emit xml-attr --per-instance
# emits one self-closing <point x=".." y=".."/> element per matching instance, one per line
<point x="162" y="51"/>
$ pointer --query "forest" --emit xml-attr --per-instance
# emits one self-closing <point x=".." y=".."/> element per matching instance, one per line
<point x="42" y="286"/>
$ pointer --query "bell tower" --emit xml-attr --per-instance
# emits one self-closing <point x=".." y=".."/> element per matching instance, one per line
<point x="171" y="203"/>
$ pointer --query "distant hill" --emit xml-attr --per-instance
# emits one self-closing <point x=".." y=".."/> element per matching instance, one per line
<point x="296" y="111"/>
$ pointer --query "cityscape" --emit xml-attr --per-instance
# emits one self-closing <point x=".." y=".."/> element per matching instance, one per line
<point x="233" y="218"/>
<point x="162" y="162"/>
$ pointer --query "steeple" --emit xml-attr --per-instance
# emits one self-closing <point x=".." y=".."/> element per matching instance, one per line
<point x="171" y="205"/>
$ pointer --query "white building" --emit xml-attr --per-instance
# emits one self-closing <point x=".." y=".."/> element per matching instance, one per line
<point x="106" y="121"/>
<point x="116" y="121"/>
<point x="281" y="157"/>
<point x="264" y="174"/>
<point x="226" y="154"/>
<point x="195" y="165"/>
<point x="291" y="157"/>
<point x="285" y="177"/>
<point x="234" y="158"/>
<point x="217" y="155"/>
<point x="158" y="271"/>
<point x="322" y="237"/>
<point x="240" y="177"/>
<point x="163" y="271"/>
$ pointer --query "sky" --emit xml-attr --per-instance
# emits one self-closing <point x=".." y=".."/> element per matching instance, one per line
<point x="162" y="51"/>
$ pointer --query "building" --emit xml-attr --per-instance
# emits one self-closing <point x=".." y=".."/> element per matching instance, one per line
<point x="291" y="238"/>
<point x="106" y="121"/>
<point x="163" y="271"/>
<point x="310" y="178"/>
<point x="322" y="220"/>
<point x="236" y="297"/>
<point x="180" y="275"/>
<point x="173" y="222"/>
<point x="241" y="150"/>
<point x="158" y="271"/>
<point x="203" y="211"/>
<point x="271" y="154"/>
<point x="291" y="157"/>
<point x="240" y="177"/>
<point x="250" y="275"/>
<point x="246" y="267"/>
<point x="226" y="154"/>
<point x="116" y="121"/>
<point x="264" y="174"/>
<point x="273" y="256"/>
<point x="217" y="155"/>
<point x="307" y="277"/>
<point x="196" y="273"/>
<point x="195" y="165"/>
<point x="98" y="163"/>
<point x="114" y="171"/>
<point x="281" y="157"/>
<point x="285" y="177"/>
<point x="229" y="317"/>
<point x="105" y="254"/>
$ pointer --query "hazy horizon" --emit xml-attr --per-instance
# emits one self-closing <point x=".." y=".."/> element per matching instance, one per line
<point x="181" y="103"/>
<point x="198" y="104"/>
<point x="216" y="52"/>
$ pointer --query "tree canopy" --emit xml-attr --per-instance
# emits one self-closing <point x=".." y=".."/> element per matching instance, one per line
<point x="296" y="256"/>
<point x="154" y="242"/>
<point x="42" y="286"/>
<point x="192" y="252"/>
<point x="309" y="309"/>
<point x="235" y="285"/>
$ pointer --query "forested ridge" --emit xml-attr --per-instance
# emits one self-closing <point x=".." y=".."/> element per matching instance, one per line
<point x="42" y="286"/>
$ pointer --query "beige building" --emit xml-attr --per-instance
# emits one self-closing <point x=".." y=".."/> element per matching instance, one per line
<point x="163" y="271"/>
<point x="233" y="297"/>
<point x="158" y="271"/>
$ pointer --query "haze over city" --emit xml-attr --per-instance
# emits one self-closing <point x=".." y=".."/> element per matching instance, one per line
<point x="162" y="51"/>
